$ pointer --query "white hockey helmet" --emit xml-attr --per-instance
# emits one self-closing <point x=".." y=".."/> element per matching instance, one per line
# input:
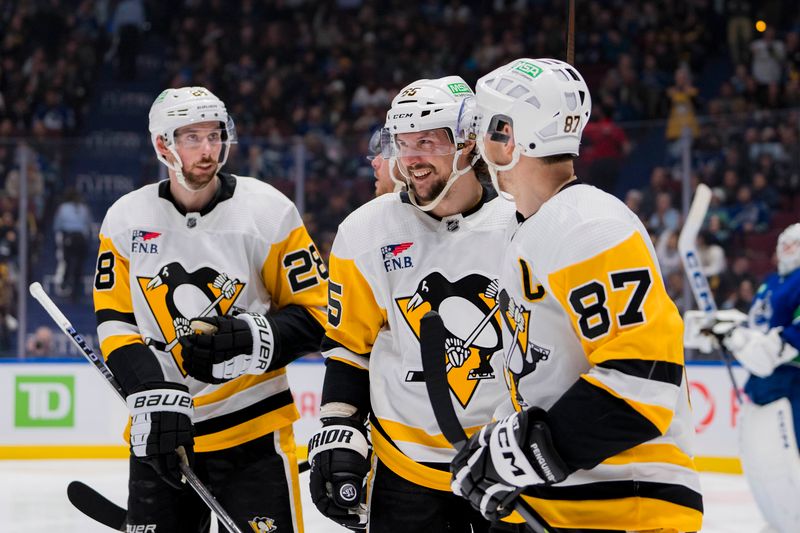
<point x="429" y="105"/>
<point x="176" y="108"/>
<point x="546" y="101"/>
<point x="788" y="250"/>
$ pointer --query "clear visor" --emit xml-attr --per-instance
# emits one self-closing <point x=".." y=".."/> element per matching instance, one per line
<point x="380" y="144"/>
<point x="422" y="143"/>
<point x="194" y="136"/>
<point x="469" y="120"/>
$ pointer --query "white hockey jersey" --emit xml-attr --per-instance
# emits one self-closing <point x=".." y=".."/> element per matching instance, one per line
<point x="390" y="264"/>
<point x="592" y="337"/>
<point x="159" y="267"/>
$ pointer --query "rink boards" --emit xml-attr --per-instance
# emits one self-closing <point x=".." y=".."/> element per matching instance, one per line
<point x="63" y="409"/>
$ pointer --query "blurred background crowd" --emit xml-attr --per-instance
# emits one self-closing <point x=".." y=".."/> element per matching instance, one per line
<point x="706" y="91"/>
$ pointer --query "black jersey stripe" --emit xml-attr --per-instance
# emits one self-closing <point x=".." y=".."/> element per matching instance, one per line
<point x="108" y="315"/>
<point x="608" y="426"/>
<point x="612" y="490"/>
<point x="330" y="344"/>
<point x="662" y="371"/>
<point x="246" y="414"/>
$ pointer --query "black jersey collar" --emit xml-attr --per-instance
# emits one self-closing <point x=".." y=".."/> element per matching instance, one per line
<point x="224" y="192"/>
<point x="488" y="193"/>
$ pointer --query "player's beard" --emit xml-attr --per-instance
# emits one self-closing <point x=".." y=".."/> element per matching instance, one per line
<point x="433" y="186"/>
<point x="197" y="178"/>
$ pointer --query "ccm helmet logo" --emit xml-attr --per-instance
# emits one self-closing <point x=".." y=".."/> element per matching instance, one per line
<point x="402" y="115"/>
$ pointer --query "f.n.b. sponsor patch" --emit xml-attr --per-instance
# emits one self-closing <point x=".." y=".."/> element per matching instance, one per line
<point x="395" y="257"/>
<point x="144" y="242"/>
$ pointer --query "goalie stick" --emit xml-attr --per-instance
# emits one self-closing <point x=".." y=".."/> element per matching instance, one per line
<point x="687" y="247"/>
<point x="432" y="336"/>
<point x="65" y="325"/>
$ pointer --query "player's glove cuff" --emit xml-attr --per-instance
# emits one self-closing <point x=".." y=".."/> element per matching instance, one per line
<point x="263" y="343"/>
<point x="522" y="450"/>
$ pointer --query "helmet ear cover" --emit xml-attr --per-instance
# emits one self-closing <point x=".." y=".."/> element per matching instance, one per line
<point x="496" y="126"/>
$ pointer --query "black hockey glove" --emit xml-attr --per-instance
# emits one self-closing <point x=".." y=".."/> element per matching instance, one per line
<point x="161" y="421"/>
<point x="503" y="458"/>
<point x="339" y="458"/>
<point x="228" y="347"/>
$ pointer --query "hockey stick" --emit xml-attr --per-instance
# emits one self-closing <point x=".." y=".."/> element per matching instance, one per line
<point x="65" y="325"/>
<point x="96" y="506"/>
<point x="687" y="247"/>
<point x="432" y="337"/>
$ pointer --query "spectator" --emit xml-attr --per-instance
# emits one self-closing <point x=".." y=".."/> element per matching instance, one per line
<point x="126" y="27"/>
<point x="683" y="100"/>
<point x="669" y="258"/>
<point x="40" y="344"/>
<point x="73" y="228"/>
<point x="740" y="29"/>
<point x="748" y="215"/>
<point x="768" y="55"/>
<point x="712" y="258"/>
<point x="665" y="217"/>
<point x="605" y="146"/>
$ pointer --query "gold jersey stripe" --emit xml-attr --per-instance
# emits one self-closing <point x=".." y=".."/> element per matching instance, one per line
<point x="407" y="468"/>
<point x="231" y="388"/>
<point x="276" y="275"/>
<point x="288" y="450"/>
<point x="658" y="336"/>
<point x="247" y="431"/>
<point x="118" y="297"/>
<point x="625" y="514"/>
<point x="661" y="417"/>
<point x="109" y="344"/>
<point x="653" y="453"/>
<point x="401" y="432"/>
<point x="360" y="318"/>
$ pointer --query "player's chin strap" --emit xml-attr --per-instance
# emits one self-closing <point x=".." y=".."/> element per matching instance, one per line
<point x="494" y="168"/>
<point x="454" y="175"/>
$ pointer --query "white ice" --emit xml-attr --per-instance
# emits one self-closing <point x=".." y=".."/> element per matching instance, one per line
<point x="33" y="499"/>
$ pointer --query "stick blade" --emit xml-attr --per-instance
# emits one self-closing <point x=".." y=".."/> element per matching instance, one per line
<point x="432" y="334"/>
<point x="96" y="506"/>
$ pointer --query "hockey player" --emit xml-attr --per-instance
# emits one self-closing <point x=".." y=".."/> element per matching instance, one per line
<point x="380" y="165"/>
<point x="600" y="434"/>
<point x="766" y="343"/>
<point x="436" y="246"/>
<point x="207" y="245"/>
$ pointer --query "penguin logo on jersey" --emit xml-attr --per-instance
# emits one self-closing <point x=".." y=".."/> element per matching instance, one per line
<point x="468" y="308"/>
<point x="175" y="296"/>
<point x="262" y="524"/>
<point x="522" y="355"/>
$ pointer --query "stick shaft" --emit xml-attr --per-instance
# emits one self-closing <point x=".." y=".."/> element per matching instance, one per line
<point x="65" y="325"/>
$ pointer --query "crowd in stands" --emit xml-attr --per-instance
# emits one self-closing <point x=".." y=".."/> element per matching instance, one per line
<point x="321" y="75"/>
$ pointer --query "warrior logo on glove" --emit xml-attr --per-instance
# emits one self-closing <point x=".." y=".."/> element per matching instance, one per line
<point x="175" y="296"/>
<point x="469" y="309"/>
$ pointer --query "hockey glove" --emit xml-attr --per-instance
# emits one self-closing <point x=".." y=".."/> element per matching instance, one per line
<point x="339" y="458"/>
<point x="161" y="422"/>
<point x="228" y="347"/>
<point x="503" y="458"/>
<point x="760" y="353"/>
